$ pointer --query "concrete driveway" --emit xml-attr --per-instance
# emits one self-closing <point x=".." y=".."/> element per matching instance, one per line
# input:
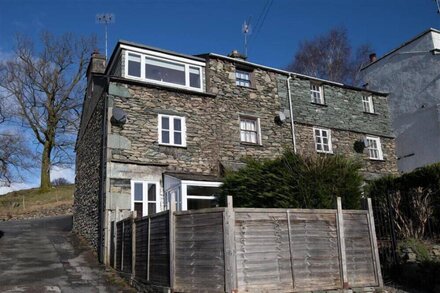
<point x="44" y="256"/>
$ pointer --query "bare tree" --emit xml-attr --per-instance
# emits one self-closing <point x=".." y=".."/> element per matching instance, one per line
<point x="47" y="87"/>
<point x="14" y="157"/>
<point x="329" y="56"/>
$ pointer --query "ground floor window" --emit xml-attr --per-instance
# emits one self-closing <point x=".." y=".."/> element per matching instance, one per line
<point x="192" y="195"/>
<point x="145" y="197"/>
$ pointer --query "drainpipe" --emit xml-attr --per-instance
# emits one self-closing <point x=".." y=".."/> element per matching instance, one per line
<point x="292" y="124"/>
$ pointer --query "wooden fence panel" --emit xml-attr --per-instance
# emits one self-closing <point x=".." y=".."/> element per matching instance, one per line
<point x="159" y="250"/>
<point x="126" y="250"/>
<point x="118" y="264"/>
<point x="141" y="249"/>
<point x="199" y="252"/>
<point x="359" y="250"/>
<point x="315" y="251"/>
<point x="263" y="252"/>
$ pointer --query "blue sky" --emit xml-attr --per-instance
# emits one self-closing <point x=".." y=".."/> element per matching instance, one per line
<point x="203" y="26"/>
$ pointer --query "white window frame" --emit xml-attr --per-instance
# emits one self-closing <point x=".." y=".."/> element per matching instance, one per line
<point x="370" y="149"/>
<point x="367" y="104"/>
<point x="319" y="90"/>
<point x="239" y="80"/>
<point x="185" y="196"/>
<point x="257" y="128"/>
<point x="329" y="137"/>
<point x="171" y="129"/>
<point x="187" y="63"/>
<point x="145" y="200"/>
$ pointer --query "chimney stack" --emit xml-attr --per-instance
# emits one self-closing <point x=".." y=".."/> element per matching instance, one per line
<point x="237" y="55"/>
<point x="373" y="57"/>
<point x="97" y="64"/>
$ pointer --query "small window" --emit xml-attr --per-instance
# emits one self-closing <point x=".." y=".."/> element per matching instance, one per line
<point x="367" y="102"/>
<point x="317" y="93"/>
<point x="172" y="130"/>
<point x="249" y="130"/>
<point x="243" y="78"/>
<point x="374" y="148"/>
<point x="134" y="65"/>
<point x="323" y="140"/>
<point x="145" y="198"/>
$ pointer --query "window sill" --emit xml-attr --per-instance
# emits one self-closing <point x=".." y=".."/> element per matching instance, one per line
<point x="173" y="145"/>
<point x="246" y="87"/>
<point x="250" y="144"/>
<point x="371" y="113"/>
<point x="319" y="104"/>
<point x="376" y="160"/>
<point x="325" y="153"/>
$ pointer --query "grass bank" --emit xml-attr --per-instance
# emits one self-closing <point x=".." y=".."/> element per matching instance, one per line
<point x="30" y="202"/>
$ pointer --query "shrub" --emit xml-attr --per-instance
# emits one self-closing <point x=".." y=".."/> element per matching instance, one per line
<point x="60" y="181"/>
<point x="292" y="181"/>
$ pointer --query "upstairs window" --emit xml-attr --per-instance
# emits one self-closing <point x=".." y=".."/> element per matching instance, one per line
<point x="243" y="78"/>
<point x="374" y="148"/>
<point x="249" y="130"/>
<point x="134" y="65"/>
<point x="323" y="140"/>
<point x="164" y="69"/>
<point x="367" y="102"/>
<point x="317" y="93"/>
<point x="172" y="130"/>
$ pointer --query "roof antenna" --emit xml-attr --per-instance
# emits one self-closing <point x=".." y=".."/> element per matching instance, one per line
<point x="105" y="18"/>
<point x="438" y="5"/>
<point x="246" y="29"/>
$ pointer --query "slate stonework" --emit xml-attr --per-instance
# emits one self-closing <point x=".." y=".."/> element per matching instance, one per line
<point x="88" y="178"/>
<point x="343" y="144"/>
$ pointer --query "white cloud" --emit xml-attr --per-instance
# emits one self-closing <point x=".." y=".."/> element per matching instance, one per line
<point x="16" y="186"/>
<point x="67" y="173"/>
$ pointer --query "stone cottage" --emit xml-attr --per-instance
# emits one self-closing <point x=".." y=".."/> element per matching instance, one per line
<point x="158" y="124"/>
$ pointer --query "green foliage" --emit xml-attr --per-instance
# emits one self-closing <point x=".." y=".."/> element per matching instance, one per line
<point x="417" y="246"/>
<point x="292" y="181"/>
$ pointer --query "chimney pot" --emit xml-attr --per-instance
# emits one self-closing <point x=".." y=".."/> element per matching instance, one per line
<point x="237" y="55"/>
<point x="373" y="57"/>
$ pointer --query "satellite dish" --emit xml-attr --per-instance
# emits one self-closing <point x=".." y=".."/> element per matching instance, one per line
<point x="119" y="117"/>
<point x="280" y="118"/>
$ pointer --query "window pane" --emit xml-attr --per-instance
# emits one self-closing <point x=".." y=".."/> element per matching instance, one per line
<point x="195" y="204"/>
<point x="138" y="207"/>
<point x="194" y="77"/>
<point x="165" y="123"/>
<point x="177" y="138"/>
<point x="138" y="192"/>
<point x="151" y="208"/>
<point x="151" y="192"/>
<point x="165" y="136"/>
<point x="134" y="65"/>
<point x="177" y="124"/>
<point x="165" y="71"/>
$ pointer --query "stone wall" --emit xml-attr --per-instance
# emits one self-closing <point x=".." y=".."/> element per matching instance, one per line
<point x="342" y="143"/>
<point x="343" y="108"/>
<point x="212" y="122"/>
<point x="88" y="177"/>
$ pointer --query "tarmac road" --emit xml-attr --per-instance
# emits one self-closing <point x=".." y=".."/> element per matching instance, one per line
<point x="42" y="255"/>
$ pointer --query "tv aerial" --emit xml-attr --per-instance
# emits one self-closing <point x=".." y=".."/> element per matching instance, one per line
<point x="105" y="19"/>
<point x="246" y="30"/>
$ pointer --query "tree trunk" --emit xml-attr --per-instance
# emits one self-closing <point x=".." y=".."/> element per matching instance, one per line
<point x="45" y="167"/>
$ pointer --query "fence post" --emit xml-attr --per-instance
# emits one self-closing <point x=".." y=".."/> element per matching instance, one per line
<point x="290" y="248"/>
<point x="376" y="259"/>
<point x="133" y="244"/>
<point x="148" y="247"/>
<point x="229" y="247"/>
<point x="115" y="237"/>
<point x="122" y="245"/>
<point x="172" y="224"/>
<point x="343" y="259"/>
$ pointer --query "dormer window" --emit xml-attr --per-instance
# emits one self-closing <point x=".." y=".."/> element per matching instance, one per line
<point x="164" y="69"/>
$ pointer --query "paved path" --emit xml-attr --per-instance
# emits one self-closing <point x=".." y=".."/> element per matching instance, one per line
<point x="44" y="256"/>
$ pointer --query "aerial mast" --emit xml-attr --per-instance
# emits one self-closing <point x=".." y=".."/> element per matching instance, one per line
<point x="105" y="19"/>
<point x="246" y="29"/>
